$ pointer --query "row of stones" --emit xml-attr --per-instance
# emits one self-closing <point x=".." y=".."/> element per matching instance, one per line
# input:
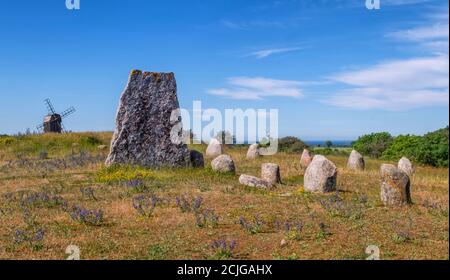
<point x="321" y="173"/>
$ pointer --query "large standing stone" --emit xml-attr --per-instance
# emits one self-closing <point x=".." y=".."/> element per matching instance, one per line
<point x="270" y="172"/>
<point x="356" y="161"/>
<point x="395" y="186"/>
<point x="144" y="123"/>
<point x="253" y="151"/>
<point x="214" y="148"/>
<point x="405" y="165"/>
<point x="197" y="160"/>
<point x="306" y="158"/>
<point x="223" y="164"/>
<point x="321" y="175"/>
<point x="256" y="182"/>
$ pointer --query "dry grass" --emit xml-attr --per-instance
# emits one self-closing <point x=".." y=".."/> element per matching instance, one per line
<point x="419" y="231"/>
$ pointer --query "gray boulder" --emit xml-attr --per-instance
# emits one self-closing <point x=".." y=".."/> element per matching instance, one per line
<point x="255" y="182"/>
<point x="405" y="165"/>
<point x="321" y="175"/>
<point x="270" y="172"/>
<point x="223" y="164"/>
<point x="356" y="161"/>
<point x="197" y="160"/>
<point x="253" y="151"/>
<point x="214" y="148"/>
<point x="145" y="123"/>
<point x="306" y="158"/>
<point x="395" y="186"/>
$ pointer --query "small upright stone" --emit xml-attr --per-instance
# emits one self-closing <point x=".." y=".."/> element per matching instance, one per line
<point x="321" y="175"/>
<point x="270" y="172"/>
<point x="146" y="129"/>
<point x="251" y="181"/>
<point x="405" y="165"/>
<point x="214" y="148"/>
<point x="197" y="160"/>
<point x="253" y="151"/>
<point x="223" y="164"/>
<point x="356" y="161"/>
<point x="395" y="186"/>
<point x="306" y="158"/>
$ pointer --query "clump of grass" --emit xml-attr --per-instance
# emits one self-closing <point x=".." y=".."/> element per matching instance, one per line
<point x="252" y="227"/>
<point x="146" y="204"/>
<point x="86" y="216"/>
<point x="206" y="218"/>
<point x="223" y="249"/>
<point x="157" y="252"/>
<point x="87" y="193"/>
<point x="338" y="207"/>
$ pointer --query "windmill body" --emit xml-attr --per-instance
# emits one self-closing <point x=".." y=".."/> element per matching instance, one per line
<point x="53" y="121"/>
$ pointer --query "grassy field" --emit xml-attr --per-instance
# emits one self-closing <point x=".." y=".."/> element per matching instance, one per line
<point x="56" y="192"/>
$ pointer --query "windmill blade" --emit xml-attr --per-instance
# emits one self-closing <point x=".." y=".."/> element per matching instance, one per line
<point x="67" y="112"/>
<point x="50" y="108"/>
<point x="40" y="127"/>
<point x="63" y="128"/>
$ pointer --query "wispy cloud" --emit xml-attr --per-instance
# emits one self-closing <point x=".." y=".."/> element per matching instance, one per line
<point x="245" y="25"/>
<point x="402" y="84"/>
<point x="257" y="88"/>
<point x="433" y="36"/>
<point x="268" y="52"/>
<point x="397" y="85"/>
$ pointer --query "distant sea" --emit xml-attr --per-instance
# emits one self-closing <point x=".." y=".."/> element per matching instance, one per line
<point x="336" y="143"/>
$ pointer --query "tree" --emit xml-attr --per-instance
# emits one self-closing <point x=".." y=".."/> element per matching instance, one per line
<point x="329" y="144"/>
<point x="403" y="145"/>
<point x="434" y="148"/>
<point x="291" y="144"/>
<point x="373" y="144"/>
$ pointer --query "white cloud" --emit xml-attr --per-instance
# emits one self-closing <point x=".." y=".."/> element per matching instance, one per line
<point x="402" y="84"/>
<point x="257" y="88"/>
<point x="433" y="36"/>
<point x="268" y="52"/>
<point x="397" y="85"/>
<point x="437" y="31"/>
<point x="243" y="25"/>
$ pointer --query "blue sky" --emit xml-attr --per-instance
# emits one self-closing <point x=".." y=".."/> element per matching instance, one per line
<point x="334" y="69"/>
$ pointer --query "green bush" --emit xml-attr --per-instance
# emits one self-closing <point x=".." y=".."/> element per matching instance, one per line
<point x="403" y="145"/>
<point x="430" y="149"/>
<point x="373" y="144"/>
<point x="434" y="149"/>
<point x="291" y="145"/>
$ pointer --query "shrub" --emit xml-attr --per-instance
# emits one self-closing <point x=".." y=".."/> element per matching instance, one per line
<point x="430" y="149"/>
<point x="373" y="144"/>
<point x="403" y="145"/>
<point x="434" y="148"/>
<point x="291" y="145"/>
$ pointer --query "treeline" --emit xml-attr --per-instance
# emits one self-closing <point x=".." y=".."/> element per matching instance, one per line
<point x="429" y="149"/>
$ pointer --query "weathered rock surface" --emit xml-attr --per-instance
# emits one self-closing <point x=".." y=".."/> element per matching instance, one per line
<point x="214" y="148"/>
<point x="253" y="151"/>
<point x="223" y="164"/>
<point x="197" y="160"/>
<point x="405" y="165"/>
<point x="256" y="182"/>
<point x="321" y="175"/>
<point x="270" y="172"/>
<point x="143" y="123"/>
<point x="306" y="158"/>
<point x="395" y="186"/>
<point x="356" y="161"/>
